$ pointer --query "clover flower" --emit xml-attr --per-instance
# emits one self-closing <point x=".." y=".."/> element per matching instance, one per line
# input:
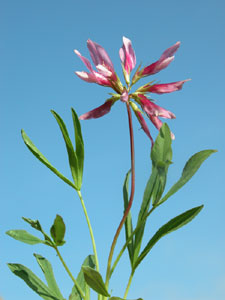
<point x="106" y="76"/>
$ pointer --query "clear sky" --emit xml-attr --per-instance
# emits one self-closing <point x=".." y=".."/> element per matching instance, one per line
<point x="37" y="74"/>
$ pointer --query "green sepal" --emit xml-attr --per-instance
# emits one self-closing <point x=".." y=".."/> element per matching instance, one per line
<point x="36" y="284"/>
<point x="128" y="222"/>
<point x="172" y="225"/>
<point x="42" y="158"/>
<point x="191" y="167"/>
<point x="94" y="279"/>
<point x="25" y="237"/>
<point x="58" y="230"/>
<point x="75" y="294"/>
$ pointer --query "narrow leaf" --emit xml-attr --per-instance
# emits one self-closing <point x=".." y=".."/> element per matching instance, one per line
<point x="24" y="236"/>
<point x="172" y="225"/>
<point x="70" y="150"/>
<point x="75" y="295"/>
<point x="43" y="159"/>
<point x="79" y="146"/>
<point x="33" y="281"/>
<point x="95" y="281"/>
<point x="143" y="212"/>
<point x="189" y="170"/>
<point x="128" y="222"/>
<point x="58" y="230"/>
<point x="49" y="275"/>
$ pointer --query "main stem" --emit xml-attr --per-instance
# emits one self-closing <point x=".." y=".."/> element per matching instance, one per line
<point x="130" y="200"/>
<point x="90" y="230"/>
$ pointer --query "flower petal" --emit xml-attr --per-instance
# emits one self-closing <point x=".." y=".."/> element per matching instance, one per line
<point x="98" y="112"/>
<point x="84" y="60"/>
<point x="165" y="59"/>
<point x="143" y="125"/>
<point x="127" y="55"/>
<point x="153" y="109"/>
<point x="165" y="87"/>
<point x="88" y="77"/>
<point x="99" y="55"/>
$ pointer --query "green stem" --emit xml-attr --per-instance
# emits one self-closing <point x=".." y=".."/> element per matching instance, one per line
<point x="69" y="273"/>
<point x="90" y="230"/>
<point x="130" y="200"/>
<point x="128" y="285"/>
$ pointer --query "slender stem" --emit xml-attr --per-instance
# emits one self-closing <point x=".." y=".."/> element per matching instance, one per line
<point x="130" y="200"/>
<point x="128" y="240"/>
<point x="90" y="230"/>
<point x="128" y="285"/>
<point x="69" y="273"/>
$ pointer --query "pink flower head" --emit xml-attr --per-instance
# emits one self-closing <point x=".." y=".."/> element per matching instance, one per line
<point x="162" y="63"/>
<point x="127" y="57"/>
<point x="106" y="74"/>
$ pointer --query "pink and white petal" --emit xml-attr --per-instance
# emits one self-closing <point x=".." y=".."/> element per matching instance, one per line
<point x="130" y="56"/>
<point x="99" y="55"/>
<point x="170" y="51"/>
<point x="156" y="66"/>
<point x="101" y="80"/>
<point x="104" y="71"/>
<point x="98" y="112"/>
<point x="143" y="125"/>
<point x="153" y="109"/>
<point x="167" y="87"/>
<point x="84" y="60"/>
<point x="88" y="77"/>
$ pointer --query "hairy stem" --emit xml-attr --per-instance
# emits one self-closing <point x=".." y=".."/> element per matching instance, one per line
<point x="130" y="200"/>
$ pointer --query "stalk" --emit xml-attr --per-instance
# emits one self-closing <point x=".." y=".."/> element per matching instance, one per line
<point x="128" y="285"/>
<point x="130" y="200"/>
<point x="69" y="273"/>
<point x="90" y="229"/>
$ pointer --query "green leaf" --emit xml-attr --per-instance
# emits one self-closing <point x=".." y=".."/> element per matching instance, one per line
<point x="36" y="225"/>
<point x="95" y="281"/>
<point x="43" y="159"/>
<point x="72" y="157"/>
<point x="79" y="147"/>
<point x="49" y="275"/>
<point x="128" y="222"/>
<point x="33" y="281"/>
<point x="189" y="170"/>
<point x="143" y="212"/>
<point x="75" y="295"/>
<point x="117" y="298"/>
<point x="161" y="150"/>
<point x="24" y="236"/>
<point x="161" y="156"/>
<point x="58" y="230"/>
<point x="172" y="225"/>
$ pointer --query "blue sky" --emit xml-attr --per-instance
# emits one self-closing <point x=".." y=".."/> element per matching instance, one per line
<point x="37" y="75"/>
